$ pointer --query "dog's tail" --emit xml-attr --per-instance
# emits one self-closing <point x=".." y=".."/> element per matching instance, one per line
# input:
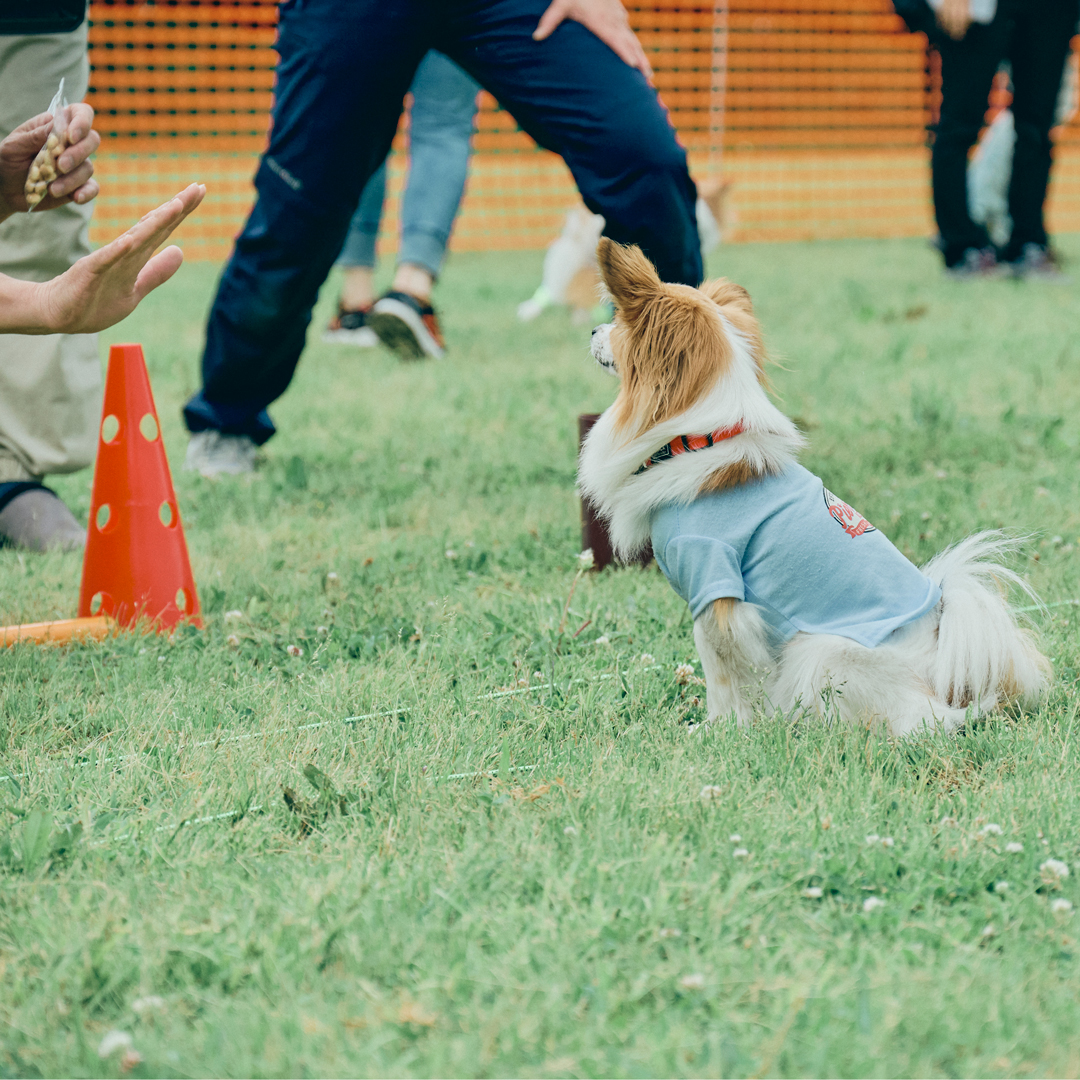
<point x="982" y="655"/>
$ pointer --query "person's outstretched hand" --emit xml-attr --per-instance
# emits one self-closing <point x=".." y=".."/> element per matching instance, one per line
<point x="954" y="17"/>
<point x="607" y="19"/>
<point x="18" y="150"/>
<point x="106" y="286"/>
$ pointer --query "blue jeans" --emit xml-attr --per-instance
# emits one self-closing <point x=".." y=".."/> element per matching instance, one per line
<point x="440" y="126"/>
<point x="342" y="77"/>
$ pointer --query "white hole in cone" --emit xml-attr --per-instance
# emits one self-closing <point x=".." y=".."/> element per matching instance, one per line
<point x="110" y="428"/>
<point x="101" y="518"/>
<point x="148" y="427"/>
<point x="181" y="599"/>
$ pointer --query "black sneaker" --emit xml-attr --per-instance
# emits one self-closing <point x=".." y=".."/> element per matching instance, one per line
<point x="1038" y="261"/>
<point x="350" y="328"/>
<point x="975" y="262"/>
<point x="407" y="326"/>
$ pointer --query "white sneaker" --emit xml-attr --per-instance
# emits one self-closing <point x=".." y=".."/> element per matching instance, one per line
<point x="210" y="453"/>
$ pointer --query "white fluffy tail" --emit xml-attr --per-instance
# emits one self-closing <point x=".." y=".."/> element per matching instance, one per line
<point x="982" y="655"/>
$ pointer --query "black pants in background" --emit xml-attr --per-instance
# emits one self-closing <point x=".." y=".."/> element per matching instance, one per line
<point x="1034" y="35"/>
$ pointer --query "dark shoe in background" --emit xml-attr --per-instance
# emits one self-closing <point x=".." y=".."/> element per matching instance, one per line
<point x="407" y="326"/>
<point x="1039" y="262"/>
<point x="34" y="518"/>
<point x="975" y="263"/>
<point x="350" y="328"/>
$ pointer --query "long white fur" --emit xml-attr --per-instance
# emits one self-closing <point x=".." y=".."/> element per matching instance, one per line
<point x="959" y="658"/>
<point x="964" y="657"/>
<point x="608" y="462"/>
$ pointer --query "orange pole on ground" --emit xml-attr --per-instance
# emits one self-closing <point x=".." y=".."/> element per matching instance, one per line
<point x="136" y="564"/>
<point x="59" y="632"/>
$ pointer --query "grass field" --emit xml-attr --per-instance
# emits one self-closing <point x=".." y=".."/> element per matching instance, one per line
<point x="583" y="910"/>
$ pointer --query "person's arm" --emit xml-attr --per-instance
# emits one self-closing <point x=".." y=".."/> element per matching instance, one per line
<point x="74" y="184"/>
<point x="607" y="19"/>
<point x="104" y="287"/>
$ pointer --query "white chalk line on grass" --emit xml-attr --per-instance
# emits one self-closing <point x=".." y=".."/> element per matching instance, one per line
<point x="185" y="822"/>
<point x="1043" y="607"/>
<point x="222" y="740"/>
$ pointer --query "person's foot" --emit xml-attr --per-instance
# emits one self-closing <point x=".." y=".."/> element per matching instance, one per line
<point x="350" y="328"/>
<point x="1037" y="261"/>
<point x="975" y="262"/>
<point x="35" y="518"/>
<point x="407" y="326"/>
<point x="212" y="453"/>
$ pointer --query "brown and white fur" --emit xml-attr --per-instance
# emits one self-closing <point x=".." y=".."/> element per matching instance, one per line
<point x="692" y="361"/>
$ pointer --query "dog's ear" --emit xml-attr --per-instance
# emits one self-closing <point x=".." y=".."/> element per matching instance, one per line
<point x="726" y="293"/>
<point x="628" y="275"/>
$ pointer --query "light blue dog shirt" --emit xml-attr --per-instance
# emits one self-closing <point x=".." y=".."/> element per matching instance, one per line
<point x="803" y="556"/>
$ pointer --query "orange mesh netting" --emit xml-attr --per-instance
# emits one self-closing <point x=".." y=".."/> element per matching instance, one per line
<point x="817" y="109"/>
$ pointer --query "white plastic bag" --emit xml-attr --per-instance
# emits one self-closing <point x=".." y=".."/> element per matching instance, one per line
<point x="43" y="170"/>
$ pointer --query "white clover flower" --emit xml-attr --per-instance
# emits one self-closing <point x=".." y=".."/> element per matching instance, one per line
<point x="1001" y="887"/>
<point x="451" y="553"/>
<point x="332" y="580"/>
<point x="232" y="641"/>
<point x="1061" y="906"/>
<point x="711" y="791"/>
<point x="233" y="616"/>
<point x="669" y="932"/>
<point x="988" y="931"/>
<point x="603" y="639"/>
<point x="872" y="838"/>
<point x="538" y="674"/>
<point x="322" y="631"/>
<point x="872" y="903"/>
<point x="1054" y="869"/>
<point x="990" y="829"/>
<point x="147" y="1004"/>
<point x="294" y="650"/>
<point x="684" y="673"/>
<point x="569" y="831"/>
<point x="113" y="1041"/>
<point x="586" y="560"/>
<point x="696" y="981"/>
<point x="646" y="659"/>
<point x="1014" y="847"/>
<point x="740" y="853"/>
<point x="735" y="838"/>
<point x="887" y="841"/>
<point x="813" y="892"/>
<point x="129" y="1059"/>
<point x="946" y="820"/>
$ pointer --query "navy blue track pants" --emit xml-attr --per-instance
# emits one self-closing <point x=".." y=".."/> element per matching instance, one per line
<point x="344" y="70"/>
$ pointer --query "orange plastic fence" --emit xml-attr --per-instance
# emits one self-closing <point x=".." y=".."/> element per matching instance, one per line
<point x="817" y="109"/>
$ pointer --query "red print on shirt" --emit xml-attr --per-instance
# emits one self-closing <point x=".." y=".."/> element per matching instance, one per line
<point x="851" y="521"/>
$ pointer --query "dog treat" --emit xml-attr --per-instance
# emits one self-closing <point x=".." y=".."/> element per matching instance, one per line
<point x="44" y="169"/>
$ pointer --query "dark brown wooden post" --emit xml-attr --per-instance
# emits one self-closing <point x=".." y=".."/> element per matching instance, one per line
<point x="594" y="533"/>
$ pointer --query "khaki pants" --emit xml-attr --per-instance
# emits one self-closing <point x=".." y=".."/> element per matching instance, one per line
<point x="50" y="387"/>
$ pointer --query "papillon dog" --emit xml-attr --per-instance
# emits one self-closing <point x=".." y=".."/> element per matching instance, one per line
<point x="799" y="603"/>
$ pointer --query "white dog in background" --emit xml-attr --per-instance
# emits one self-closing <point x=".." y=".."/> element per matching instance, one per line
<point x="797" y="600"/>
<point x="990" y="170"/>
<point x="570" y="276"/>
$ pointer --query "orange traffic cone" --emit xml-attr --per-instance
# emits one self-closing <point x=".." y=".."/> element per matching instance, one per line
<point x="136" y="563"/>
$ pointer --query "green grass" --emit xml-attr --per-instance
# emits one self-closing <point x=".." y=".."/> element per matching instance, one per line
<point x="580" y="912"/>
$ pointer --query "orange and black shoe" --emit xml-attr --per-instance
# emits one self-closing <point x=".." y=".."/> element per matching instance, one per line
<point x="407" y="326"/>
<point x="350" y="328"/>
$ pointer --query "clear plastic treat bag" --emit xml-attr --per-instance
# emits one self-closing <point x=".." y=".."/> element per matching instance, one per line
<point x="43" y="170"/>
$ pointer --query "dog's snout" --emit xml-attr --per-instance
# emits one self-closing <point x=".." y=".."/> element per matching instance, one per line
<point x="594" y="330"/>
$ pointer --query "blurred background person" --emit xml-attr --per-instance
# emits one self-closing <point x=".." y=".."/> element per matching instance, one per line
<point x="440" y="130"/>
<point x="574" y="77"/>
<point x="50" y="387"/>
<point x="973" y="37"/>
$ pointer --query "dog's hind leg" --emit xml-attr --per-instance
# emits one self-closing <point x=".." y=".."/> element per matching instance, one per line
<point x="831" y="674"/>
<point x="733" y="643"/>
